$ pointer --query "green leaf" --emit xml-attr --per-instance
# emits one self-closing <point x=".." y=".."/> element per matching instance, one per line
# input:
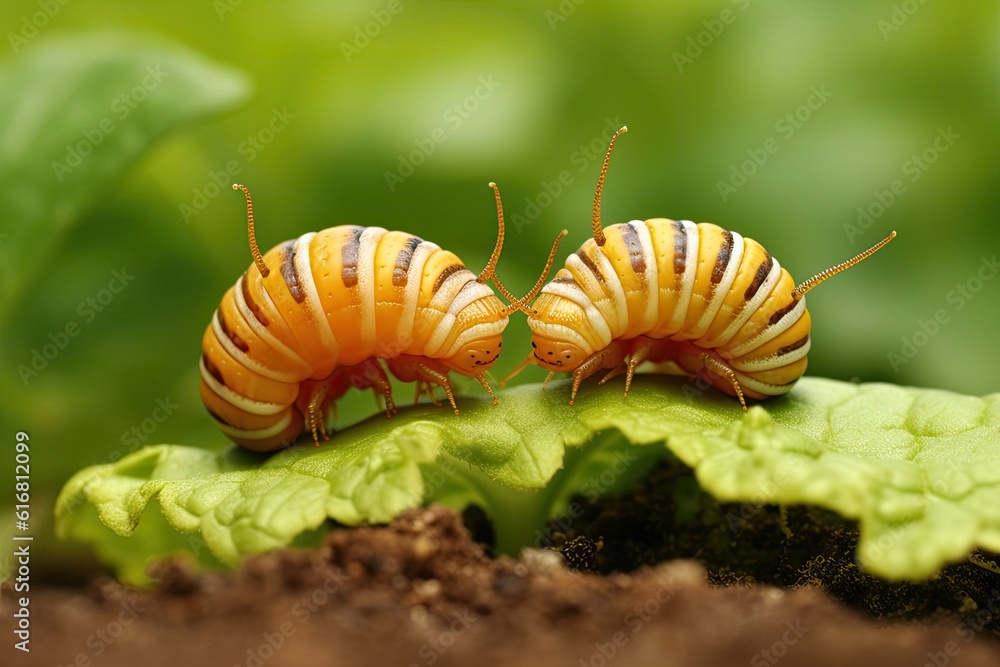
<point x="919" y="469"/>
<point x="75" y="112"/>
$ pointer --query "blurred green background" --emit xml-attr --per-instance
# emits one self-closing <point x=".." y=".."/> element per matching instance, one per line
<point x="312" y="104"/>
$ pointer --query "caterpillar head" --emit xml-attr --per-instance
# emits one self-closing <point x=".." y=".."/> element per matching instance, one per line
<point x="555" y="348"/>
<point x="556" y="355"/>
<point x="476" y="357"/>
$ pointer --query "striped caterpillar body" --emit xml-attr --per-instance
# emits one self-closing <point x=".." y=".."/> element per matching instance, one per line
<point x="284" y="344"/>
<point x="693" y="298"/>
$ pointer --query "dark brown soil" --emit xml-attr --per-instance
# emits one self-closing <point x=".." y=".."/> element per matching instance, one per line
<point x="668" y="516"/>
<point x="420" y="592"/>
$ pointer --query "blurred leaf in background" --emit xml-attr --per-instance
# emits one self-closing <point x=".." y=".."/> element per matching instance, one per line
<point x="74" y="115"/>
<point x="813" y="128"/>
<point x="63" y="141"/>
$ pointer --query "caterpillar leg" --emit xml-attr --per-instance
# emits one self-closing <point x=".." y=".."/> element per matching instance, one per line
<point x="316" y="400"/>
<point x="610" y="357"/>
<point x="316" y="413"/>
<point x="722" y="369"/>
<point x="433" y="377"/>
<point x="613" y="373"/>
<point x="481" y="379"/>
<point x="427" y="373"/>
<point x="379" y="383"/>
<point x="635" y="359"/>
<point x="425" y="388"/>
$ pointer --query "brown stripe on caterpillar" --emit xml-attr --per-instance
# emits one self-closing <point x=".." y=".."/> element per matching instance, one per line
<point x="213" y="370"/>
<point x="793" y="346"/>
<point x="680" y="250"/>
<point x="762" y="272"/>
<point x="589" y="263"/>
<point x="251" y="304"/>
<point x="705" y="311"/>
<point x="445" y="274"/>
<point x="289" y="274"/>
<point x="722" y="259"/>
<point x="634" y="246"/>
<point x="567" y="280"/>
<point x="778" y="314"/>
<point x="349" y="257"/>
<point x="240" y="344"/>
<point x="401" y="272"/>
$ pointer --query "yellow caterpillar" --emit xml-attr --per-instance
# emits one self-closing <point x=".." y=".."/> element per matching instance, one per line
<point x="697" y="299"/>
<point x="313" y="316"/>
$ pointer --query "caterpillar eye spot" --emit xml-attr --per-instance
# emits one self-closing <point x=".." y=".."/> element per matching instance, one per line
<point x="550" y="354"/>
